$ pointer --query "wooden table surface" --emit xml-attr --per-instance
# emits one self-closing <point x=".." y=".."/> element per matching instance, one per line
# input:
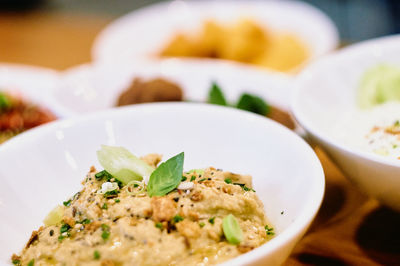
<point x="350" y="228"/>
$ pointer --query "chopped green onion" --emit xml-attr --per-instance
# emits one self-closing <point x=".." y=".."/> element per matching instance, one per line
<point x="55" y="216"/>
<point x="159" y="225"/>
<point x="64" y="228"/>
<point x="85" y="221"/>
<point x="202" y="224"/>
<point x="177" y="219"/>
<point x="197" y="171"/>
<point x="211" y="220"/>
<point x="232" y="231"/>
<point x="104" y="207"/>
<point x="192" y="178"/>
<point x="31" y="262"/>
<point x="269" y="230"/>
<point x="123" y="165"/>
<point x="96" y="255"/>
<point x="67" y="203"/>
<point x="106" y="231"/>
<point x="184" y="178"/>
<point x="228" y="181"/>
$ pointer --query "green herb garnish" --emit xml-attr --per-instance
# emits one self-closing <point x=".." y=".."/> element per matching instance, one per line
<point x="269" y="230"/>
<point x="111" y="194"/>
<point x="228" y="181"/>
<point x="103" y="174"/>
<point x="177" y="219"/>
<point x="203" y="179"/>
<point x="192" y="178"/>
<point x="64" y="228"/>
<point x="202" y="224"/>
<point x="67" y="203"/>
<point x="216" y="96"/>
<point x="198" y="171"/>
<point x="184" y="178"/>
<point x="85" y="221"/>
<point x="96" y="255"/>
<point x="211" y="220"/>
<point x="104" y="207"/>
<point x="16" y="262"/>
<point x="232" y="231"/>
<point x="5" y="102"/>
<point x="122" y="164"/>
<point x="244" y="187"/>
<point x="31" y="262"/>
<point x="253" y="104"/>
<point x="117" y="200"/>
<point x="166" y="177"/>
<point x="159" y="225"/>
<point x="106" y="231"/>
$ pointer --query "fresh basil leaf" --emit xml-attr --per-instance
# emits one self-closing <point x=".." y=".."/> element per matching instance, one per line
<point x="166" y="177"/>
<point x="253" y="104"/>
<point x="216" y="96"/>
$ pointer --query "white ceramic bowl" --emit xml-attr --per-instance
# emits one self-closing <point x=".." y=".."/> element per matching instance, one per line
<point x="43" y="167"/>
<point x="325" y="95"/>
<point x="89" y="88"/>
<point x="144" y="32"/>
<point x="35" y="84"/>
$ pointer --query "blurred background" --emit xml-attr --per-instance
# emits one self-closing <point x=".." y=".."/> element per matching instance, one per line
<point x="43" y="24"/>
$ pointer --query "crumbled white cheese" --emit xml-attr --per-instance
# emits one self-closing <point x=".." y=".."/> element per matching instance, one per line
<point x="107" y="186"/>
<point x="186" y="185"/>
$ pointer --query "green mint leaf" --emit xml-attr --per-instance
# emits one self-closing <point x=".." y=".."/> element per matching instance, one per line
<point x="216" y="96"/>
<point x="253" y="104"/>
<point x="166" y="177"/>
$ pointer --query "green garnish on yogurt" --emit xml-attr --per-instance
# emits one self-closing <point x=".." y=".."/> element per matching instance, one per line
<point x="232" y="231"/>
<point x="378" y="85"/>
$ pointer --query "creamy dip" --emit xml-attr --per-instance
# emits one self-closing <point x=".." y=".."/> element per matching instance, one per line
<point x="127" y="227"/>
<point x="376" y="130"/>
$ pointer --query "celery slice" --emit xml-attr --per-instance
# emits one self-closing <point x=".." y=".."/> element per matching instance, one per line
<point x="232" y="231"/>
<point x="55" y="216"/>
<point x="123" y="165"/>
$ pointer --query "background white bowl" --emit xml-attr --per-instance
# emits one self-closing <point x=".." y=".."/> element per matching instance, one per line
<point x="325" y="95"/>
<point x="144" y="32"/>
<point x="35" y="84"/>
<point x="43" y="167"/>
<point x="88" y="88"/>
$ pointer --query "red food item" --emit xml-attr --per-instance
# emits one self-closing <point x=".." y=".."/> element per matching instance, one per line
<point x="18" y="115"/>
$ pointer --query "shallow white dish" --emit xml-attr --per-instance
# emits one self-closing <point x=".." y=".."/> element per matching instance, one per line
<point x="88" y="88"/>
<point x="325" y="95"/>
<point x="34" y="84"/>
<point x="144" y="32"/>
<point x="286" y="172"/>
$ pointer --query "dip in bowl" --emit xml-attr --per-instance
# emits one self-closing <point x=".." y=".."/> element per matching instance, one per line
<point x="286" y="173"/>
<point x="326" y="102"/>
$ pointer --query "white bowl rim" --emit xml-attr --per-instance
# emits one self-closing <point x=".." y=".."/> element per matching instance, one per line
<point x="294" y="229"/>
<point x="310" y="126"/>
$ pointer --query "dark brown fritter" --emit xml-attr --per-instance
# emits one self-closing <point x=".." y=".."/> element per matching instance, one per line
<point x="155" y="90"/>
